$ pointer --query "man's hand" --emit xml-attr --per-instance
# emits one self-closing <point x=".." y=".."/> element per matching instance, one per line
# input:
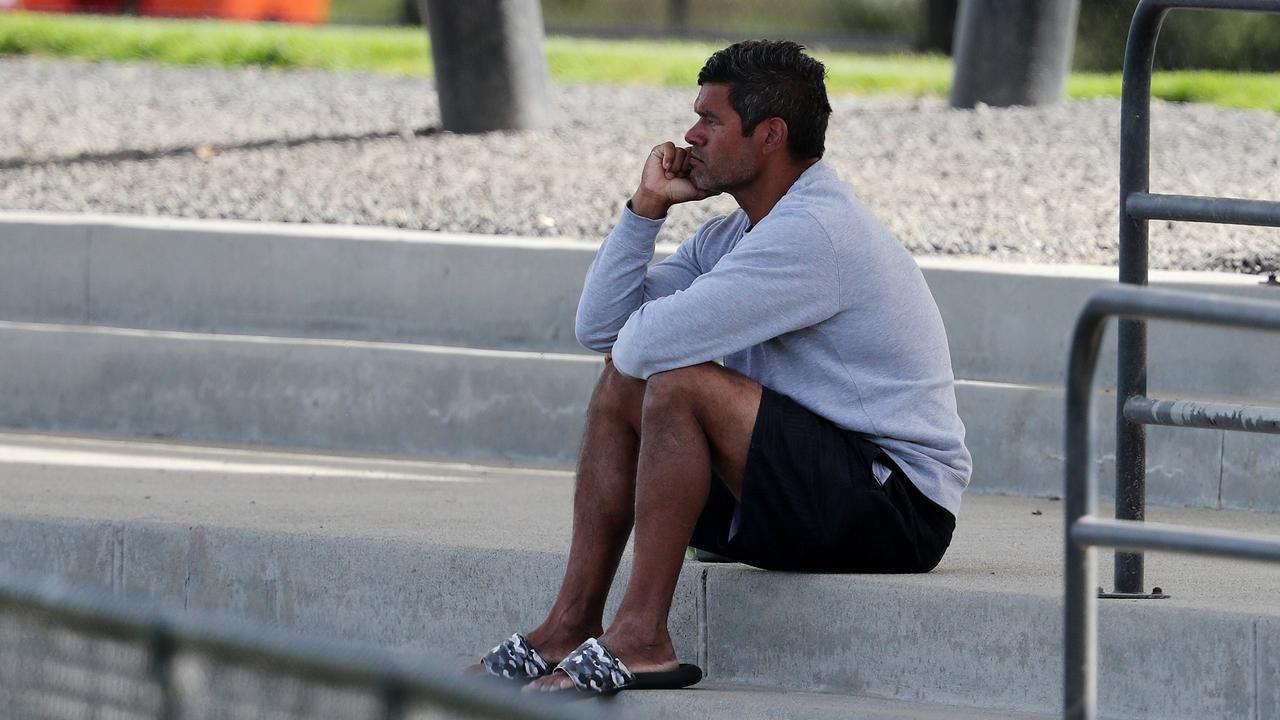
<point x="665" y="182"/>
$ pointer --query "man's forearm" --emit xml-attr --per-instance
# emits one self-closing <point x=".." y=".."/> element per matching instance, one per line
<point x="619" y="279"/>
<point x="648" y="205"/>
<point x="614" y="285"/>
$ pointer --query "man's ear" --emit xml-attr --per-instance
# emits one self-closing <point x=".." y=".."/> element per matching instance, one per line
<point x="775" y="129"/>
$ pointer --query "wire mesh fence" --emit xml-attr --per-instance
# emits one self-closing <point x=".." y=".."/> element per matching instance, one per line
<point x="71" y="653"/>
<point x="48" y="671"/>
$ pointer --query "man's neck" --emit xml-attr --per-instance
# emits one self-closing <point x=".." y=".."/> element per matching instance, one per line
<point x="758" y="198"/>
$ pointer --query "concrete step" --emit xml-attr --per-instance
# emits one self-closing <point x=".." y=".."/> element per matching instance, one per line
<point x="450" y="558"/>
<point x="1006" y="323"/>
<point x="736" y="701"/>
<point x="357" y="283"/>
<point x="504" y="406"/>
<point x="295" y="392"/>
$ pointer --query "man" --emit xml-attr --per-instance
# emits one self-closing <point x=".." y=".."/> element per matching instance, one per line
<point x="828" y="441"/>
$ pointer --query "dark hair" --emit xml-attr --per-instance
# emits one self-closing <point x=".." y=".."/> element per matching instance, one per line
<point x="768" y="78"/>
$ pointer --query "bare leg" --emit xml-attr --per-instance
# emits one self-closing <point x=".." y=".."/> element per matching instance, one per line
<point x="603" y="514"/>
<point x="694" y="419"/>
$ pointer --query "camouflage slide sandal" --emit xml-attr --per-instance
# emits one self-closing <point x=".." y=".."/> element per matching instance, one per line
<point x="515" y="659"/>
<point x="595" y="670"/>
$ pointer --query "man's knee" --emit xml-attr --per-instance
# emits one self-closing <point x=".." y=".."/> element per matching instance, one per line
<point x="616" y="393"/>
<point x="679" y="389"/>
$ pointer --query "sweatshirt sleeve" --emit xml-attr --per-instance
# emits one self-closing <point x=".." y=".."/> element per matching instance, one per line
<point x="781" y="277"/>
<point x="620" y="279"/>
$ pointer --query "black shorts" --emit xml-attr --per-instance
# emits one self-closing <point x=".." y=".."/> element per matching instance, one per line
<point x="811" y="503"/>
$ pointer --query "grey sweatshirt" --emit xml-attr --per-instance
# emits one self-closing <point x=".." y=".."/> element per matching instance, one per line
<point x="818" y="302"/>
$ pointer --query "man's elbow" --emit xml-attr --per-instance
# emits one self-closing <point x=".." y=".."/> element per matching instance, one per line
<point x="629" y="359"/>
<point x="593" y="338"/>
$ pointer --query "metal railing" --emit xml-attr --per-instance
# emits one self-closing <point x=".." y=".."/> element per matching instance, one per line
<point x="1083" y="531"/>
<point x="74" y="652"/>
<point x="1138" y="206"/>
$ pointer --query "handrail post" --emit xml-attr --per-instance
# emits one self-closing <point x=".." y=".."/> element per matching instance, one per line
<point x="1080" y="606"/>
<point x="1131" y="373"/>
<point x="1135" y="171"/>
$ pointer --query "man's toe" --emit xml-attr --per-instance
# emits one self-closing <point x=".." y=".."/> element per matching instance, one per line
<point x="552" y="683"/>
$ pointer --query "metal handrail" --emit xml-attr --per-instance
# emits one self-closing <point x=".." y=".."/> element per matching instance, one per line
<point x="397" y="680"/>
<point x="1210" y="416"/>
<point x="1137" y="206"/>
<point x="1194" y="208"/>
<point x="1082" y="530"/>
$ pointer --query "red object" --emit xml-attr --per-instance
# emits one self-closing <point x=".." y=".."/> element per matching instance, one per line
<point x="69" y="6"/>
<point x="296" y="11"/>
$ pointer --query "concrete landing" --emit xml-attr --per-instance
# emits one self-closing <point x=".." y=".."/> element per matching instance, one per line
<point x="450" y="558"/>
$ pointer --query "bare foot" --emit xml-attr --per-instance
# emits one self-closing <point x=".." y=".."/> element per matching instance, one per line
<point x="655" y="654"/>
<point x="554" y="682"/>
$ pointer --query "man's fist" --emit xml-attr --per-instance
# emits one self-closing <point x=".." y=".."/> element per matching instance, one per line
<point x="665" y="182"/>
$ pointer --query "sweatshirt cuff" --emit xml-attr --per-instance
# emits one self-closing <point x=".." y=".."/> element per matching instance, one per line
<point x="633" y="223"/>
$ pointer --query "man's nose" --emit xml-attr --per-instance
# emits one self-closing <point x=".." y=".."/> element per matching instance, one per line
<point x="693" y="137"/>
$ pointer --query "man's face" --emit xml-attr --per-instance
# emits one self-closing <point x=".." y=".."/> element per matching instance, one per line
<point x="722" y="159"/>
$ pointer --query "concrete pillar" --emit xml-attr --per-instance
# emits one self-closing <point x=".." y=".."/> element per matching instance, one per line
<point x="1013" y="52"/>
<point x="491" y="73"/>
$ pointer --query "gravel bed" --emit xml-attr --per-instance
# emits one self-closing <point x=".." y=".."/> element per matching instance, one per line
<point x="62" y="109"/>
<point x="1018" y="184"/>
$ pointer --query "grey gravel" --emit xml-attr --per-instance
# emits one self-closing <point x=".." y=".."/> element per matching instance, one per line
<point x="1017" y="184"/>
<point x="60" y="109"/>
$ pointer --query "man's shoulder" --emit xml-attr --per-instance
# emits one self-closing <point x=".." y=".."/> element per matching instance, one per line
<point x="819" y="212"/>
<point x="827" y="219"/>
<point x="833" y="205"/>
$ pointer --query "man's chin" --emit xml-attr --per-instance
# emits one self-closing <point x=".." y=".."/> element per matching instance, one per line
<point x="702" y="183"/>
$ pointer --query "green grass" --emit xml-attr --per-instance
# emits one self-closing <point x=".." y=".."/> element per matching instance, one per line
<point x="405" y="51"/>
<point x="365" y="12"/>
<point x="214" y="43"/>
<point x="1253" y="91"/>
<point x="891" y="74"/>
